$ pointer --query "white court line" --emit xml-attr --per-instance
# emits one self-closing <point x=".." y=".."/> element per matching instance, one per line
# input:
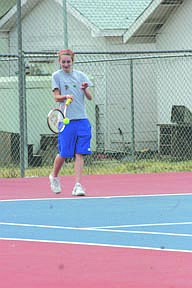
<point x="94" y="229"/>
<point x="101" y="229"/>
<point x="143" y="232"/>
<point x="97" y="244"/>
<point x="43" y="226"/>
<point x="144" y="225"/>
<point x="99" y="197"/>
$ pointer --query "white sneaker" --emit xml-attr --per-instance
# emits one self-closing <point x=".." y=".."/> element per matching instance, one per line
<point x="78" y="190"/>
<point x="55" y="184"/>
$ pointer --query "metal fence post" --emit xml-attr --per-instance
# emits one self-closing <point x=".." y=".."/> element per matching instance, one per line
<point x="132" y="114"/>
<point x="20" y="88"/>
<point x="25" y="112"/>
<point x="65" y="24"/>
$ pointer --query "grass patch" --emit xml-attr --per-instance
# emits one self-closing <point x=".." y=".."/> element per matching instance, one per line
<point x="105" y="166"/>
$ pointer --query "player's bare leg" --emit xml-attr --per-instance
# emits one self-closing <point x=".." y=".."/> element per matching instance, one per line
<point x="58" y="163"/>
<point x="53" y="177"/>
<point x="79" y="163"/>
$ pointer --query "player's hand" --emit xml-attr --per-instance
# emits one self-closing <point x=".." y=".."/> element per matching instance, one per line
<point x="69" y="97"/>
<point x="84" y="85"/>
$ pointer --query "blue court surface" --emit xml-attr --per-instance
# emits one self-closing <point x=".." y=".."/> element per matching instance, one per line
<point x="149" y="222"/>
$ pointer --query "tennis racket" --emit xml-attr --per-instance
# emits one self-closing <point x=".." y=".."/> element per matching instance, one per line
<point x="56" y="119"/>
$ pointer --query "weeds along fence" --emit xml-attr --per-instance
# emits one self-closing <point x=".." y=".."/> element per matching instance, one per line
<point x="141" y="112"/>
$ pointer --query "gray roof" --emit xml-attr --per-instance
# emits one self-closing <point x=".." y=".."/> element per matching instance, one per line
<point x="111" y="14"/>
<point x="129" y="19"/>
<point x="5" y="6"/>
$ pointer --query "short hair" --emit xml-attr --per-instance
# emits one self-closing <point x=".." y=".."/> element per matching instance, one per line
<point x="67" y="52"/>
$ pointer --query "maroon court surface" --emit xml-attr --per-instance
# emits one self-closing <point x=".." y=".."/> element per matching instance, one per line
<point x="99" y="185"/>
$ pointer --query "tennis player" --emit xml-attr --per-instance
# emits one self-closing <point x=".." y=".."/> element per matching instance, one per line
<point x="74" y="140"/>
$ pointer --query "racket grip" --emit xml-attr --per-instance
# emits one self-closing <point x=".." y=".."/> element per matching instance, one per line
<point x="68" y="101"/>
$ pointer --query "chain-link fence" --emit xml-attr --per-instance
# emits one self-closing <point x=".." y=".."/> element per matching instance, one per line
<point x="141" y="112"/>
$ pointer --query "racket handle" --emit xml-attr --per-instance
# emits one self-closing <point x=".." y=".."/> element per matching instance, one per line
<point x="68" y="101"/>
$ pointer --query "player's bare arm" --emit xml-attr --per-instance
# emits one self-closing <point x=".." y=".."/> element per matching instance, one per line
<point x="87" y="92"/>
<point x="60" y="98"/>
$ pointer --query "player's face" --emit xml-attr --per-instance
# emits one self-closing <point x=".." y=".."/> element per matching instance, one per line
<point x="66" y="63"/>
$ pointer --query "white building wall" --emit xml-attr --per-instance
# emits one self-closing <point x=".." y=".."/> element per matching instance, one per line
<point x="176" y="33"/>
<point x="174" y="85"/>
<point x="4" y="49"/>
<point x="4" y="38"/>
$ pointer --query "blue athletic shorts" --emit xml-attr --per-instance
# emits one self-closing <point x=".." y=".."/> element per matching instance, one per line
<point x="75" y="138"/>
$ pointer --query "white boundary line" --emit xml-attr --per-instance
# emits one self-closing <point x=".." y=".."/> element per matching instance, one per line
<point x="144" y="225"/>
<point x="96" y="244"/>
<point x="101" y="229"/>
<point x="99" y="197"/>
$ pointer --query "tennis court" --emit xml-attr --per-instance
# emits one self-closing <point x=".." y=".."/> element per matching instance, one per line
<point x="132" y="230"/>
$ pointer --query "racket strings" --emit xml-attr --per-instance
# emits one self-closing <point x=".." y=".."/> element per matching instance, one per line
<point x="55" y="121"/>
